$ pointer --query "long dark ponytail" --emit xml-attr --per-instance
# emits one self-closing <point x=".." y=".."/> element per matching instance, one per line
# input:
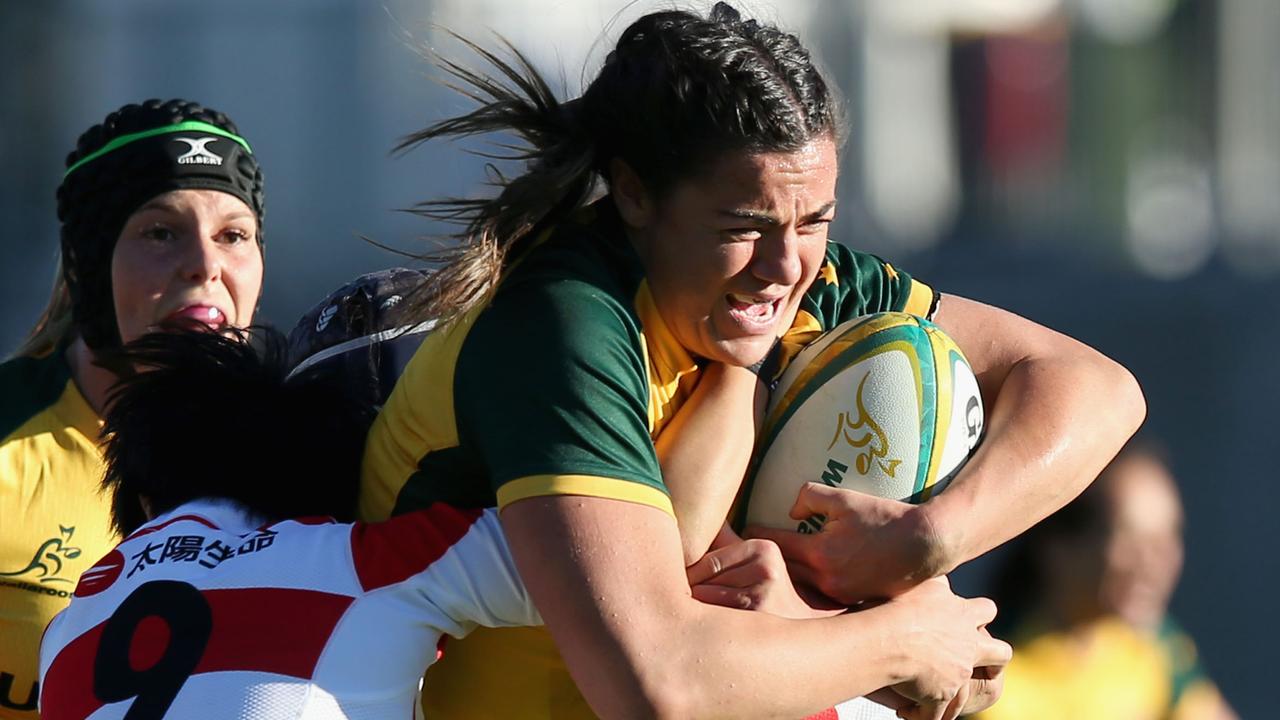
<point x="675" y="92"/>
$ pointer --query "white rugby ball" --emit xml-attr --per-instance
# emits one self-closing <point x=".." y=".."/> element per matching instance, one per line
<point x="884" y="404"/>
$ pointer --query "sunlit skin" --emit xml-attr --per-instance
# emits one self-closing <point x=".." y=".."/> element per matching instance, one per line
<point x="729" y="252"/>
<point x="187" y="255"/>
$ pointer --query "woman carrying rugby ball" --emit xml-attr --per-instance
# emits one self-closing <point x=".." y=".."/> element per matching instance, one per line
<point x="594" y="380"/>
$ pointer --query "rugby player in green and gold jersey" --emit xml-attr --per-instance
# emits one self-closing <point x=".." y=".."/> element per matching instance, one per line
<point x="578" y="337"/>
<point x="161" y="211"/>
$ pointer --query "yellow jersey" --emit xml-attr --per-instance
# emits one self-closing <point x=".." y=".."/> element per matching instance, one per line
<point x="54" y="521"/>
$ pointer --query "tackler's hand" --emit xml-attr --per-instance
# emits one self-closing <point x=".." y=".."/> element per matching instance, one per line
<point x="868" y="547"/>
<point x="750" y="575"/>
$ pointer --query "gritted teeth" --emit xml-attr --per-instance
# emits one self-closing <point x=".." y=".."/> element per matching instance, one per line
<point x="753" y="307"/>
<point x="739" y="300"/>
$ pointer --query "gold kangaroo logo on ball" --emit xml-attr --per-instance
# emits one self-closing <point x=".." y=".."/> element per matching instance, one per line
<point x="864" y="434"/>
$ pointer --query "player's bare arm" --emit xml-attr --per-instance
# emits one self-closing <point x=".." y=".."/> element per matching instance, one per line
<point x="638" y="644"/>
<point x="703" y="470"/>
<point x="1058" y="411"/>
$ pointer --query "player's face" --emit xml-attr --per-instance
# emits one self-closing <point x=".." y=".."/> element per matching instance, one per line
<point x="729" y="253"/>
<point x="186" y="255"/>
<point x="1143" y="553"/>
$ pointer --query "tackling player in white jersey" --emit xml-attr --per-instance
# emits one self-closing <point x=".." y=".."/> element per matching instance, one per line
<point x="238" y="591"/>
<point x="241" y="589"/>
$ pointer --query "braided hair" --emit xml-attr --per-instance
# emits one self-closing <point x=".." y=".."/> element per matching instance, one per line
<point x="676" y="92"/>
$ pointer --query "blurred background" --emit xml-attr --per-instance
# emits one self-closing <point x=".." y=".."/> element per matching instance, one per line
<point x="1110" y="168"/>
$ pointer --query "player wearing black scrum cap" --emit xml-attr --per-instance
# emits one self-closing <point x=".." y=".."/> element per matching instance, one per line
<point x="361" y="333"/>
<point x="161" y="211"/>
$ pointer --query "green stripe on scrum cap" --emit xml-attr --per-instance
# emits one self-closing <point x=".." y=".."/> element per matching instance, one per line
<point x="187" y="126"/>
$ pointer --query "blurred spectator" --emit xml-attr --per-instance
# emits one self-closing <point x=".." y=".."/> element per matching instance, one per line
<point x="1086" y="594"/>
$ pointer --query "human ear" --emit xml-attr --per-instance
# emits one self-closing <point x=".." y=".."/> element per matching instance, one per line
<point x="630" y="195"/>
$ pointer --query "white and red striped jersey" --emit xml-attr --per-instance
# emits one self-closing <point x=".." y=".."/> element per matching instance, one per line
<point x="206" y="613"/>
<point x="856" y="709"/>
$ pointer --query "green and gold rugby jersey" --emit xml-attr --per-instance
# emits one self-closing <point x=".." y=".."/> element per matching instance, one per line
<point x="54" y="523"/>
<point x="560" y="386"/>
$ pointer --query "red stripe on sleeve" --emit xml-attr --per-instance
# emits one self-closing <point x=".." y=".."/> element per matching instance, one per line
<point x="389" y="552"/>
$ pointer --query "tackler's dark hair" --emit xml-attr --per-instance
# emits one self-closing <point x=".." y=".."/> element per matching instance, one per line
<point x="197" y="414"/>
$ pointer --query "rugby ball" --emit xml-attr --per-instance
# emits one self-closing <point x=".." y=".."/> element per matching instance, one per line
<point x="884" y="404"/>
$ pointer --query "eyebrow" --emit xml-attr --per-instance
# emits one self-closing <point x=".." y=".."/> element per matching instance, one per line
<point x="163" y="206"/>
<point x="157" y="204"/>
<point x="764" y="218"/>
